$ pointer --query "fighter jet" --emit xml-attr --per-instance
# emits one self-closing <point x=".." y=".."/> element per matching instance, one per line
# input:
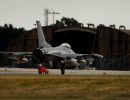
<point x="8" y="58"/>
<point x="45" y="53"/>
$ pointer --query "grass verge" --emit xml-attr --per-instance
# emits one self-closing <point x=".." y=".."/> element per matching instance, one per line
<point x="64" y="87"/>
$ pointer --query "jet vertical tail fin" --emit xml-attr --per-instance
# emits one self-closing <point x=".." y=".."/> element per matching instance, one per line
<point x="41" y="38"/>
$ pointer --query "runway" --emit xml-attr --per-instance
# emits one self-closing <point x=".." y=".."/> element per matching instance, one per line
<point x="18" y="71"/>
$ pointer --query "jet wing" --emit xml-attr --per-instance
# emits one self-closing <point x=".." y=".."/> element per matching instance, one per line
<point x="76" y="55"/>
<point x="20" y="53"/>
<point x="70" y="55"/>
<point x="16" y="53"/>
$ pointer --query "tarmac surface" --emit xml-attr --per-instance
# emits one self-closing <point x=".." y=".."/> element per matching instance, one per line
<point x="18" y="71"/>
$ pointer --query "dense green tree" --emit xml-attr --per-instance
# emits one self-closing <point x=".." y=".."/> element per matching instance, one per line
<point x="9" y="33"/>
<point x="66" y="22"/>
<point x="5" y="26"/>
<point x="11" y="26"/>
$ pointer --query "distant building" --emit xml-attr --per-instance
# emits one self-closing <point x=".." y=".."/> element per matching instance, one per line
<point x="113" y="41"/>
<point x="114" y="45"/>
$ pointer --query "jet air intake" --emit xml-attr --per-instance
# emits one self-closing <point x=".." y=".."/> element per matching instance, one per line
<point x="38" y="56"/>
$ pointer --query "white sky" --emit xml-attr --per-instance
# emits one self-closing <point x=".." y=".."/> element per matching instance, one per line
<point x="24" y="13"/>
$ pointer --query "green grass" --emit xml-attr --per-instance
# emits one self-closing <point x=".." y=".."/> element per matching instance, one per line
<point x="64" y="87"/>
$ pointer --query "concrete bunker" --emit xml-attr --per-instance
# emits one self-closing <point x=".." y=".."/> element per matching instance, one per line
<point x="81" y="40"/>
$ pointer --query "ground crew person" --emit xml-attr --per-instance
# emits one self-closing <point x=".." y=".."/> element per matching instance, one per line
<point x="42" y="69"/>
<point x="62" y="67"/>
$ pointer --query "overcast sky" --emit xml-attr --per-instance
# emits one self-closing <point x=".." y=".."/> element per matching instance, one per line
<point x="24" y="13"/>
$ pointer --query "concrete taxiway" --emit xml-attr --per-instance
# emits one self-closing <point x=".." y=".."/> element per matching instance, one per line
<point x="17" y="71"/>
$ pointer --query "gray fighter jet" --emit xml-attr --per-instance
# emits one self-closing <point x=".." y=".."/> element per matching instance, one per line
<point x="54" y="55"/>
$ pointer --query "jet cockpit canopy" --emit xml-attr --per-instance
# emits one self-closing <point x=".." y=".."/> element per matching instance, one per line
<point x="66" y="45"/>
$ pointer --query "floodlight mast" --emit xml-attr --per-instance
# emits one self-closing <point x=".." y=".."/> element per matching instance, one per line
<point x="54" y="13"/>
<point x="46" y="11"/>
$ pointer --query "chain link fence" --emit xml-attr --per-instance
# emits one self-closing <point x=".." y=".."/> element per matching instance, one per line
<point x="114" y="63"/>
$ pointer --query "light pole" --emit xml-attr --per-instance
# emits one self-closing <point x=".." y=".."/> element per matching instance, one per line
<point x="35" y="25"/>
<point x="46" y="11"/>
<point x="54" y="13"/>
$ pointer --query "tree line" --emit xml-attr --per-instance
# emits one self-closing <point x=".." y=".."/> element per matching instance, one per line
<point x="9" y="33"/>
